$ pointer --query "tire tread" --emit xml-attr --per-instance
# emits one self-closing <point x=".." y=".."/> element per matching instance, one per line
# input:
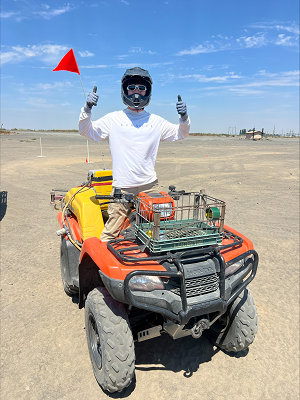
<point x="116" y="341"/>
<point x="242" y="327"/>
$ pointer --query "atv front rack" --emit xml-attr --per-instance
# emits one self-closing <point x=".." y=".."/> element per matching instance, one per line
<point x="188" y="311"/>
<point x="120" y="252"/>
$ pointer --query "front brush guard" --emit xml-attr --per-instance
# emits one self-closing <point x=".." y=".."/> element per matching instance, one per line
<point x="188" y="311"/>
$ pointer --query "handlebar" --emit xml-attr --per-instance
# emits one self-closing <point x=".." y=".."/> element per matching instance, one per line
<point x="117" y="197"/>
<point x="100" y="197"/>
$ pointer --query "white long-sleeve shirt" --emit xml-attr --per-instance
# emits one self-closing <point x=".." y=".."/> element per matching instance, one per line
<point x="133" y="140"/>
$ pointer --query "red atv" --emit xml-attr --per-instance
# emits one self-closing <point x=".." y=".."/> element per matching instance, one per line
<point x="174" y="268"/>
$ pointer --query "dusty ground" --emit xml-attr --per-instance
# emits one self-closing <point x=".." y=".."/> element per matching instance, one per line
<point x="44" y="353"/>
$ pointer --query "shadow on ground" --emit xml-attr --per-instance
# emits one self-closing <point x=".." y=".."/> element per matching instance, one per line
<point x="164" y="353"/>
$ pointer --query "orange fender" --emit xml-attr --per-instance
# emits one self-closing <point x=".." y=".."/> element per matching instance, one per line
<point x="109" y="264"/>
<point x="233" y="252"/>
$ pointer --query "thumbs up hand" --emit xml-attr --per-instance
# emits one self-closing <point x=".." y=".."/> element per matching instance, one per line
<point x="92" y="98"/>
<point x="181" y="107"/>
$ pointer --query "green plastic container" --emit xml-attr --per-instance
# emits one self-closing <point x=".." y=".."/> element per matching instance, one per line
<point x="202" y="235"/>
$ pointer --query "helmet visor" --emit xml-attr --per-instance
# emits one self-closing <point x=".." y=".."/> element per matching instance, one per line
<point x="136" y="82"/>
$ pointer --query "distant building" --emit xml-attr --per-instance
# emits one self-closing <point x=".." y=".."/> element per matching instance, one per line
<point x="254" y="135"/>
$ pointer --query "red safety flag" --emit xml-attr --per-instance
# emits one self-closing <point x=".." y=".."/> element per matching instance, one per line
<point x="68" y="63"/>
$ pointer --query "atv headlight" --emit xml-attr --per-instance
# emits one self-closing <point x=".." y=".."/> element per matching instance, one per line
<point x="146" y="283"/>
<point x="237" y="265"/>
<point x="234" y="267"/>
<point x="165" y="209"/>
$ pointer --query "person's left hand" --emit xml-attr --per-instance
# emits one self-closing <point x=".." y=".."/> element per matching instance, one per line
<point x="181" y="107"/>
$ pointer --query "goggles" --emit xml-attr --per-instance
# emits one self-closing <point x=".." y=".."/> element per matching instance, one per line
<point x="140" y="88"/>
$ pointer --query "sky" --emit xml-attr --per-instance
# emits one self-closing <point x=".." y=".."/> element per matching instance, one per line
<point x="234" y="63"/>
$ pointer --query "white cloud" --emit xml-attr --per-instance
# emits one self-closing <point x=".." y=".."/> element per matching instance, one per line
<point x="86" y="54"/>
<point x="8" y="14"/>
<point x="50" y="86"/>
<point x="205" y="79"/>
<point x="50" y="13"/>
<point x="208" y="67"/>
<point x="223" y="43"/>
<point x="125" y="2"/>
<point x="279" y="80"/>
<point x="134" y="50"/>
<point x="222" y="37"/>
<point x="226" y="43"/>
<point x="266" y="73"/>
<point x="284" y="40"/>
<point x="48" y="53"/>
<point x="7" y="57"/>
<point x="39" y="102"/>
<point x="257" y="40"/>
<point x="27" y="52"/>
<point x="246" y="91"/>
<point x="94" y="66"/>
<point x="290" y="73"/>
<point x="121" y="56"/>
<point x="210" y="48"/>
<point x="142" y="65"/>
<point x="29" y="11"/>
<point x="292" y="27"/>
<point x="139" y="50"/>
<point x="260" y="84"/>
<point x="17" y="16"/>
<point x="285" y="78"/>
<point x="215" y="67"/>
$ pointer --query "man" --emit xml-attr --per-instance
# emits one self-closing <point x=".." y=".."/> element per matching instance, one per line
<point x="134" y="137"/>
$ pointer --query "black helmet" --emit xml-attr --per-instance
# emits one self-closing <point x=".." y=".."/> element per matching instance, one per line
<point x="136" y="75"/>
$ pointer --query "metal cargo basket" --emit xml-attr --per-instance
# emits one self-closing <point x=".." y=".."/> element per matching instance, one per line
<point x="179" y="220"/>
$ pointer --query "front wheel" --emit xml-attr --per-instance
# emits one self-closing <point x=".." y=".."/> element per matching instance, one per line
<point x="110" y="340"/>
<point x="236" y="329"/>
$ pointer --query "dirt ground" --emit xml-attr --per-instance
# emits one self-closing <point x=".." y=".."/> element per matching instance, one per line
<point x="44" y="353"/>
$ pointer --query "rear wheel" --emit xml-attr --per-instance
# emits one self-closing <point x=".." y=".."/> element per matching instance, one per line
<point x="110" y="340"/>
<point x="236" y="329"/>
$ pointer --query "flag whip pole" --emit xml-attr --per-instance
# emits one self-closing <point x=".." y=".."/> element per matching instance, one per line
<point x="82" y="87"/>
<point x="69" y="63"/>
